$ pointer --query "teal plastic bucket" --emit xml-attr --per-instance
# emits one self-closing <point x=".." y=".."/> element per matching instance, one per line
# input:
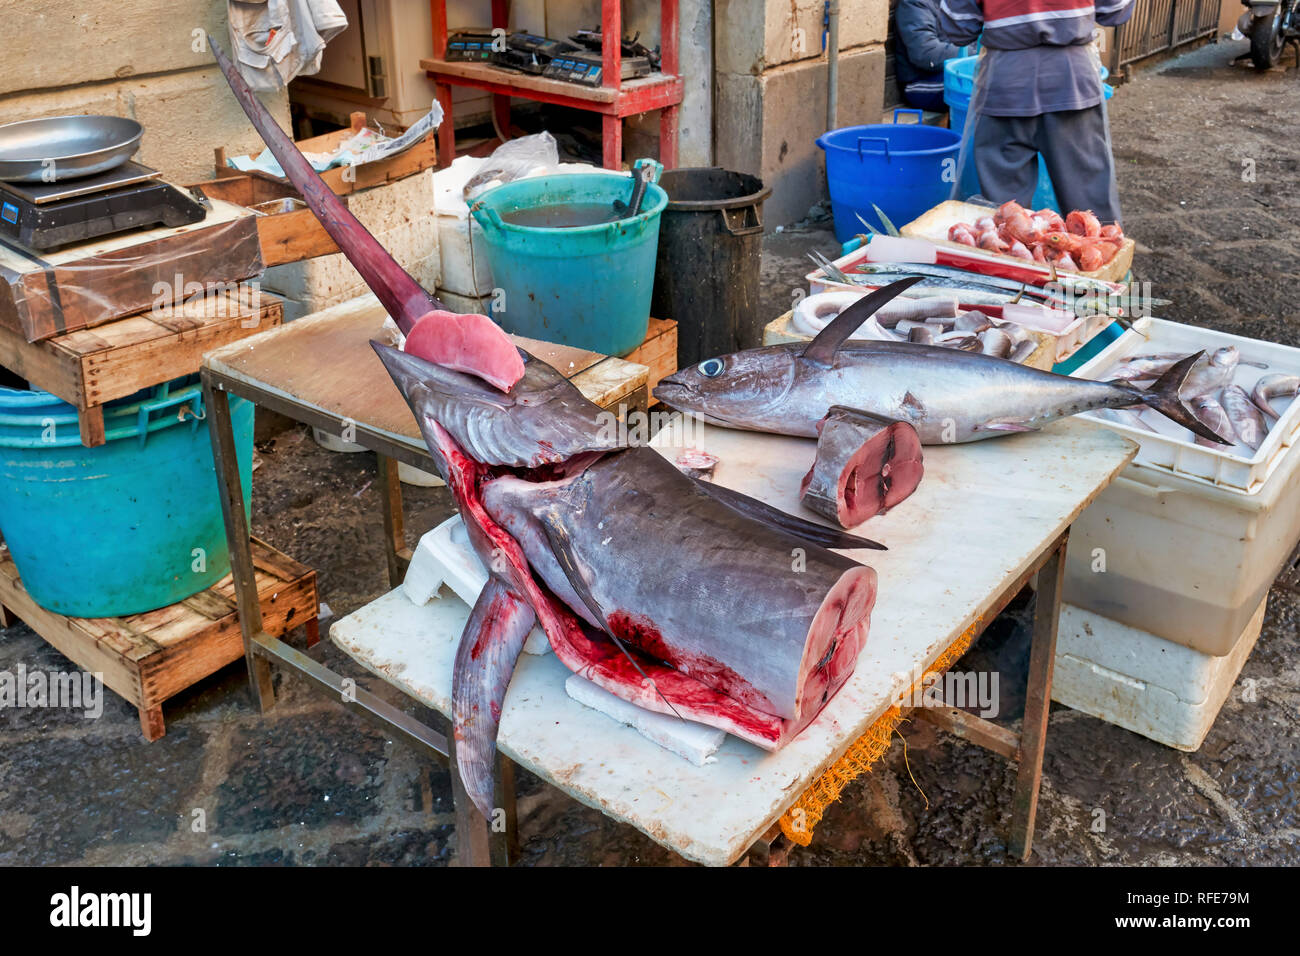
<point x="901" y="167"/>
<point x="958" y="84"/>
<point x="586" y="286"/>
<point x="127" y="527"/>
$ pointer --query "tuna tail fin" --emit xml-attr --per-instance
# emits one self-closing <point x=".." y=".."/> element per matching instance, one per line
<point x="485" y="661"/>
<point x="1163" y="397"/>
<point x="403" y="297"/>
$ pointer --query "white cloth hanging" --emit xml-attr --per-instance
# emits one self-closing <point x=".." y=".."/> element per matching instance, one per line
<point x="276" y="40"/>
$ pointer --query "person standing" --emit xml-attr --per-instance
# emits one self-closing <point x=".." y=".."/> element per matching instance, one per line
<point x="1038" y="91"/>
<point x="920" y="53"/>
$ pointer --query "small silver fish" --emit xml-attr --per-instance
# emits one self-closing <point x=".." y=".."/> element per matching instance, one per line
<point x="1274" y="386"/>
<point x="1212" y="415"/>
<point x="1211" y="375"/>
<point x="1247" y="420"/>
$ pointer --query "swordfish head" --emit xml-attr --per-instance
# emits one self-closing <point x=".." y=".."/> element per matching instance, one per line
<point x="541" y="420"/>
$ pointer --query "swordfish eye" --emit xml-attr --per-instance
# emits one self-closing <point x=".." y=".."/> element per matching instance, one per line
<point x="711" y="368"/>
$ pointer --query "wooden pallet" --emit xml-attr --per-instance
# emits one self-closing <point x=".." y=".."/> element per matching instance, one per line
<point x="658" y="352"/>
<point x="92" y="367"/>
<point x="147" y="658"/>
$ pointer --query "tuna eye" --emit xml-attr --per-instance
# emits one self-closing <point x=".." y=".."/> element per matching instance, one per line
<point x="711" y="368"/>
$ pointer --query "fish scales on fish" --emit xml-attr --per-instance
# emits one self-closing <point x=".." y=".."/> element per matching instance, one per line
<point x="675" y="594"/>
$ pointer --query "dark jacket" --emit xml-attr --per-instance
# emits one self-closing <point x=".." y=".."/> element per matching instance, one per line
<point x="1040" y="61"/>
<point x="921" y="50"/>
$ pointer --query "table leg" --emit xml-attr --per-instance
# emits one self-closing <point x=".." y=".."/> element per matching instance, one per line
<point x="476" y="842"/>
<point x="390" y="492"/>
<point x="226" y="462"/>
<point x="447" y="128"/>
<point x="668" y="136"/>
<point x="1038" y="702"/>
<point x="151" y="723"/>
<point x="501" y="111"/>
<point x="611" y="128"/>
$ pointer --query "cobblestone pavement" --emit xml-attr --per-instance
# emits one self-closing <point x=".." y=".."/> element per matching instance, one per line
<point x="310" y="784"/>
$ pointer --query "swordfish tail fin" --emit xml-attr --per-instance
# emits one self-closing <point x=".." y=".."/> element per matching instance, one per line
<point x="1163" y="397"/>
<point x="468" y="343"/>
<point x="403" y="297"/>
<point x="485" y="660"/>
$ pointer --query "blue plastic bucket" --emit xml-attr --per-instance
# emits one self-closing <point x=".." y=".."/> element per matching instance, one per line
<point x="127" y="527"/>
<point x="958" y="84"/>
<point x="586" y="286"/>
<point x="901" y="167"/>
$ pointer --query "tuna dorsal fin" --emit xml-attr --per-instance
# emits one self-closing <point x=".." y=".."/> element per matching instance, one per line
<point x="403" y="298"/>
<point x="778" y="520"/>
<point x="562" y="548"/>
<point x="485" y="661"/>
<point x="822" y="348"/>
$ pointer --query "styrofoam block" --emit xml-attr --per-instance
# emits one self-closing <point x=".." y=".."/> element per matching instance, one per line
<point x="686" y="738"/>
<point x="1141" y="682"/>
<point x="401" y="215"/>
<point x="444" y="556"/>
<point x="465" y="304"/>
<point x="464" y="264"/>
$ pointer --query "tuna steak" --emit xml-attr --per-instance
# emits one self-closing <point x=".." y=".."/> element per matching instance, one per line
<point x="865" y="465"/>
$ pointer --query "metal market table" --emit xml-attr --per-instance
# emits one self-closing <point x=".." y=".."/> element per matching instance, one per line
<point x="985" y="520"/>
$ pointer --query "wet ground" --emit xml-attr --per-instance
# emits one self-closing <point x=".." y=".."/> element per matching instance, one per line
<point x="310" y="784"/>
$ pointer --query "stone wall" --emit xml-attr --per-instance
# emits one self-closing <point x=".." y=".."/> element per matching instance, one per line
<point x="136" y="58"/>
<point x="770" y="99"/>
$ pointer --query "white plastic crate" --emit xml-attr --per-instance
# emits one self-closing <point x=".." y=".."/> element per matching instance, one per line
<point x="1143" y="683"/>
<point x="1065" y="342"/>
<point x="1191" y="538"/>
<point x="1171" y="447"/>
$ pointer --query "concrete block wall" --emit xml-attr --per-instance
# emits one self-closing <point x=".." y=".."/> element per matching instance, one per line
<point x="136" y="58"/>
<point x="770" y="91"/>
<point x="400" y="215"/>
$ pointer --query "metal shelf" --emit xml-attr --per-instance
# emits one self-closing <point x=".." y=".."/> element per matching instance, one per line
<point x="614" y="100"/>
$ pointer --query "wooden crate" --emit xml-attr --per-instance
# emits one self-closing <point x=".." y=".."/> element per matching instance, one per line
<point x="148" y="658"/>
<point x="92" y="367"/>
<point x="287" y="230"/>
<point x="92" y="283"/>
<point x="658" y="352"/>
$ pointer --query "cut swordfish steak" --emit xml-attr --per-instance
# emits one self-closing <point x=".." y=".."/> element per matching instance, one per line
<point x="865" y="465"/>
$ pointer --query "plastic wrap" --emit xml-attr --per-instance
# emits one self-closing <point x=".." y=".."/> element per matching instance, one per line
<point x="513" y="160"/>
<point x="82" y="286"/>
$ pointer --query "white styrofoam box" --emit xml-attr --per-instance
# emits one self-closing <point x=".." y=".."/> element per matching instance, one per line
<point x="1182" y="559"/>
<point x="695" y="741"/>
<point x="400" y="214"/>
<point x="1138" y="681"/>
<point x="1173" y="447"/>
<point x="1185" y="557"/>
<point x="465" y="304"/>
<point x="444" y="556"/>
<point x="1065" y="341"/>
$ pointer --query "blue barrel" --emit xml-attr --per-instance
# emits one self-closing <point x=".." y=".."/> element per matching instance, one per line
<point x="130" y="526"/>
<point x="904" y="168"/>
<point x="958" y="85"/>
<point x="586" y="286"/>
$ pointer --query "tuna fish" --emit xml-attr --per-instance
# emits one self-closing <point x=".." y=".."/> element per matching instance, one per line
<point x="673" y="593"/>
<point x="948" y="395"/>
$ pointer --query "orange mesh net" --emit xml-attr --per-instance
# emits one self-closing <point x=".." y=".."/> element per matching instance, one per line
<point x="799" y="821"/>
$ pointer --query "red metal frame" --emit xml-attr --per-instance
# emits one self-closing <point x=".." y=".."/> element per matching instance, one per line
<point x="664" y="95"/>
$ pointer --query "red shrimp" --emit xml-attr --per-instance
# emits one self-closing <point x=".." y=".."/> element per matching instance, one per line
<point x="1083" y="223"/>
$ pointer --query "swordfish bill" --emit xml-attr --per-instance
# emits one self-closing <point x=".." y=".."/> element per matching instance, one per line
<point x="703" y="605"/>
<point x="455" y="341"/>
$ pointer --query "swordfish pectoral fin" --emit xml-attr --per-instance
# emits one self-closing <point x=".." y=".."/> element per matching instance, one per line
<point x="778" y="520"/>
<point x="485" y="660"/>
<point x="562" y="548"/>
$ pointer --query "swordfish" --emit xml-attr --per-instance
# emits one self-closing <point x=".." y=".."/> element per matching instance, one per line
<point x="948" y="395"/>
<point x="675" y="594"/>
